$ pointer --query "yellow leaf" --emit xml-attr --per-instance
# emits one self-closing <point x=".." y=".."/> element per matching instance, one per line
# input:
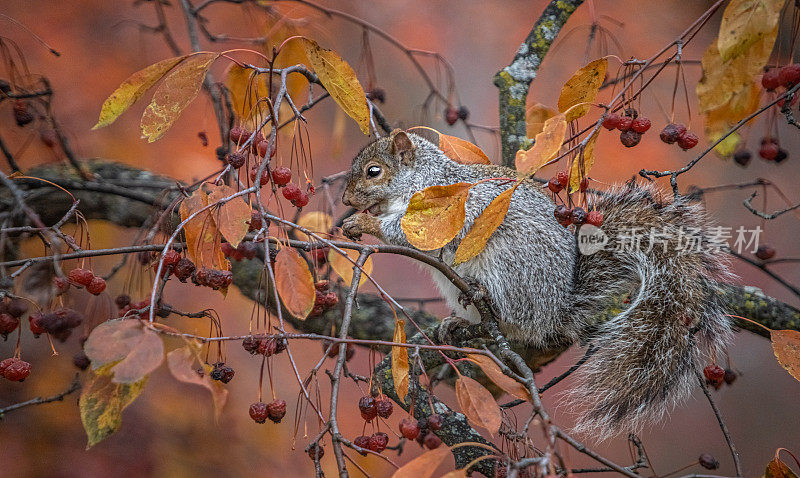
<point x="478" y="404"/>
<point x="425" y="465"/>
<point x="575" y="175"/>
<point x="492" y="370"/>
<point x="315" y="221"/>
<point x="546" y="146"/>
<point x="582" y="88"/>
<point x="246" y="88"/>
<point x="179" y="88"/>
<point x="484" y="226"/>
<point x="340" y="80"/>
<point x="462" y="151"/>
<point x="294" y="282"/>
<point x="202" y="235"/>
<point x="233" y="217"/>
<point x="400" y="361"/>
<point x="101" y="405"/>
<point x="181" y="364"/>
<point x="786" y="346"/>
<point x="344" y="268"/>
<point x="435" y="215"/>
<point x="132" y="89"/>
<point x="745" y="22"/>
<point x="535" y="116"/>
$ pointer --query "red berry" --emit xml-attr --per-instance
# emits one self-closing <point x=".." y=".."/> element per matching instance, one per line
<point x="378" y="442"/>
<point x="563" y="177"/>
<point x="276" y="410"/>
<point x="236" y="159"/>
<point x="672" y="132"/>
<point x="769" y="151"/>
<point x="789" y="75"/>
<point x="431" y="441"/>
<point x="765" y="252"/>
<point x="316" y="452"/>
<point x="61" y="284"/>
<point x="281" y="176"/>
<point x="563" y="215"/>
<point x="554" y="185"/>
<point x="330" y="299"/>
<point x="239" y="134"/>
<point x="255" y="221"/>
<point x="630" y="138"/>
<point x="183" y="269"/>
<point x="625" y="123"/>
<point x="8" y="323"/>
<point x="171" y="257"/>
<point x="367" y="407"/>
<point x="578" y="216"/>
<point x="451" y="115"/>
<point x="35" y="323"/>
<point x="409" y="428"/>
<point x="782" y="101"/>
<point x="301" y="201"/>
<point x="97" y="286"/>
<point x="384" y="407"/>
<point x="771" y="79"/>
<point x="17" y="371"/>
<point x="708" y="462"/>
<point x="362" y="441"/>
<point x="261" y="147"/>
<point x="81" y="276"/>
<point x="5" y="364"/>
<point x="611" y="121"/>
<point x="595" y="218"/>
<point x="640" y="124"/>
<point x="227" y="249"/>
<point x="435" y="422"/>
<point x="714" y="373"/>
<point x="292" y="192"/>
<point x="222" y="372"/>
<point x="258" y="412"/>
<point x="687" y="140"/>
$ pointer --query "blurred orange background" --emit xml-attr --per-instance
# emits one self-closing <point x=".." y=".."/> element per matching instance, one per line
<point x="170" y="431"/>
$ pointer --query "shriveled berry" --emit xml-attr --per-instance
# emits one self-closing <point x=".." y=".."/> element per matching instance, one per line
<point x="378" y="442"/>
<point x="765" y="252"/>
<point x="259" y="412"/>
<point x="554" y="185"/>
<point x="672" y="132"/>
<point x="771" y="79"/>
<point x="714" y="373"/>
<point x="578" y="216"/>
<point x="362" y="441"/>
<point x="184" y="269"/>
<point x="782" y="154"/>
<point x="563" y="177"/>
<point x="61" y="284"/>
<point x="384" y="407"/>
<point x="261" y="147"/>
<point x="563" y="215"/>
<point x="80" y="360"/>
<point x="35" y="323"/>
<point x="302" y="200"/>
<point x="81" y="276"/>
<point x="22" y="114"/>
<point x="250" y="344"/>
<point x="97" y="286"/>
<point x="611" y="121"/>
<point x="222" y="372"/>
<point x="238" y="134"/>
<point x="595" y="218"/>
<point x="769" y="151"/>
<point x="267" y="346"/>
<point x="632" y="113"/>
<point x="435" y="422"/>
<point x="789" y="75"/>
<point x="8" y="323"/>
<point x="742" y="157"/>
<point x="171" y="257"/>
<point x="291" y="192"/>
<point x="451" y="115"/>
<point x="630" y="138"/>
<point x="640" y="124"/>
<point x="5" y="363"/>
<point x="463" y="113"/>
<point x="227" y="249"/>
<point x="322" y="285"/>
<point x="330" y="300"/>
<point x="236" y="159"/>
<point x="409" y="428"/>
<point x="625" y="123"/>
<point x="730" y="376"/>
<point x="276" y="410"/>
<point x="708" y="462"/>
<point x="17" y="307"/>
<point x="367" y="407"/>
<point x="431" y="441"/>
<point x="688" y="140"/>
<point x="316" y="452"/>
<point x="281" y="176"/>
<point x="255" y="221"/>
<point x="17" y="371"/>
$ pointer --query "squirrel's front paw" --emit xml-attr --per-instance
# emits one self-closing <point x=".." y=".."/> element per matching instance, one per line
<point x="358" y="224"/>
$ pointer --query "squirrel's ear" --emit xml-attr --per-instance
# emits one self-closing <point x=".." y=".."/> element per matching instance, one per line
<point x="402" y="146"/>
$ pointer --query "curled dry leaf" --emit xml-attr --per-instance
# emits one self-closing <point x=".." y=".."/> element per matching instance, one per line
<point x="400" y="361"/>
<point x="582" y="87"/>
<point x="492" y="370"/>
<point x="294" y="282"/>
<point x="546" y="146"/>
<point x="435" y="215"/>
<point x="340" y="80"/>
<point x="535" y="116"/>
<point x="587" y="155"/>
<point x="132" y="89"/>
<point x="202" y="235"/>
<point x="786" y="346"/>
<point x="314" y="221"/>
<point x="484" y="226"/>
<point x="179" y="88"/>
<point x="425" y="465"/>
<point x="101" y="404"/>
<point x="233" y="217"/>
<point x="477" y="404"/>
<point x="778" y="469"/>
<point x="344" y="267"/>
<point x="130" y="349"/>
<point x="181" y="363"/>
<point x="462" y="151"/>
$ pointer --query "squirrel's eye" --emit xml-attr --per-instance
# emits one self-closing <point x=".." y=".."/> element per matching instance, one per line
<point x="373" y="171"/>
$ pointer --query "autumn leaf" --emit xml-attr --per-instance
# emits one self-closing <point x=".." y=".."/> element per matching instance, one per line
<point x="582" y="87"/>
<point x="460" y="473"/>
<point x="778" y="469"/>
<point x="181" y="363"/>
<point x="478" y="404"/>
<point x="101" y="404"/>
<point x="575" y="175"/>
<point x="135" y="350"/>
<point x="246" y="88"/>
<point x="400" y="361"/>
<point x="340" y="80"/>
<point x="484" y="226"/>
<point x="202" y="234"/>
<point x="462" y="151"/>
<point x="786" y="346"/>
<point x="233" y="217"/>
<point x="425" y="465"/>
<point x="492" y="370"/>
<point x="535" y="116"/>
<point x="547" y="145"/>
<point x="294" y="282"/>
<point x="745" y="22"/>
<point x="435" y="215"/>
<point x="315" y="221"/>
<point x="132" y="89"/>
<point x="177" y="90"/>
<point x="344" y="268"/>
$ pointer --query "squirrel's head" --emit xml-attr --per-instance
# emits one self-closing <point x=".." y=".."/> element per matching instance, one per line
<point x="374" y="169"/>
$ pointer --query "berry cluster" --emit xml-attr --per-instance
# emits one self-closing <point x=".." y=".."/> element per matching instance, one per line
<point x="630" y="124"/>
<point x="295" y="195"/>
<point x="453" y="114"/>
<point x="274" y="410"/>
<point x="324" y="298"/>
<point x="716" y="376"/>
<point x="425" y="431"/>
<point x="787" y="76"/>
<point x="677" y="133"/>
<point x="86" y="278"/>
<point x="577" y="215"/>
<point x="58" y="323"/>
<point x="375" y="407"/>
<point x="267" y="346"/>
<point x="561" y="180"/>
<point x="376" y="442"/>
<point x="14" y="369"/>
<point x="222" y="372"/>
<point x="245" y="250"/>
<point x="10" y="313"/>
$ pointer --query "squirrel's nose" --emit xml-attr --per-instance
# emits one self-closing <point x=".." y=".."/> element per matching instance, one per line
<point x="345" y="200"/>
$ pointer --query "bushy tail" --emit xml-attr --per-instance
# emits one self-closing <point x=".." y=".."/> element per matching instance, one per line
<point x="659" y="257"/>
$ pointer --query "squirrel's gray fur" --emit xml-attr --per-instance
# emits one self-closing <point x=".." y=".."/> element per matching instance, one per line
<point x="547" y="293"/>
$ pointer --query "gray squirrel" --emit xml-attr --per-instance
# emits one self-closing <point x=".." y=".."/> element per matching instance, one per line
<point x="547" y="293"/>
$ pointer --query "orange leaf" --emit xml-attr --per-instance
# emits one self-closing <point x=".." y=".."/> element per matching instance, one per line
<point x="478" y="404"/>
<point x="344" y="268"/>
<point x="786" y="346"/>
<point x="137" y="350"/>
<point x="546" y="145"/>
<point x="294" y="282"/>
<point x="484" y="226"/>
<point x="575" y="175"/>
<point x="202" y="235"/>
<point x="181" y="364"/>
<point x="461" y="473"/>
<point x="425" y="465"/>
<point x="582" y="87"/>
<point x="778" y="469"/>
<point x="535" y="116"/>
<point x="462" y="151"/>
<point x="314" y="221"/>
<point x="492" y="370"/>
<point x="400" y="361"/>
<point x="435" y="215"/>
<point x="233" y="218"/>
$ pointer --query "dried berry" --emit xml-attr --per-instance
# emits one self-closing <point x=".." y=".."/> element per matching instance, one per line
<point x="316" y="452"/>
<point x="35" y="323"/>
<point x="184" y="269"/>
<point x="771" y="79"/>
<point x="765" y="252"/>
<point x="97" y="286"/>
<point x="61" y="284"/>
<point x="5" y="364"/>
<point x="362" y="441"/>
<point x="367" y="407"/>
<point x="8" y="323"/>
<point x="672" y="132"/>
<point x="17" y="307"/>
<point x="17" y="371"/>
<point x="171" y="257"/>
<point x="281" y="176"/>
<point x="789" y="75"/>
<point x="431" y="441"/>
<point x="578" y="216"/>
<point x="330" y="299"/>
<point x="435" y="422"/>
<point x="708" y="462"/>
<point x="239" y="134"/>
<point x="451" y="115"/>
<point x="595" y="218"/>
<point x="611" y="121"/>
<point x="276" y="410"/>
<point x="688" y="140"/>
<point x="630" y="138"/>
<point x="563" y="215"/>
<point x="769" y="151"/>
<point x="262" y="147"/>
<point x="258" y="412"/>
<point x="463" y="113"/>
<point x="301" y="201"/>
<point x="222" y="372"/>
<point x="563" y="177"/>
<point x="378" y="442"/>
<point x="742" y="157"/>
<point x="625" y="123"/>
<point x="554" y="185"/>
<point x="80" y="360"/>
<point x="640" y="125"/>
<point x="384" y="407"/>
<point x="80" y="276"/>
<point x="22" y="114"/>
<point x="236" y="159"/>
<point x="255" y="221"/>
<point x="291" y="192"/>
<point x="409" y="428"/>
<point x="714" y="373"/>
<point x="730" y="376"/>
